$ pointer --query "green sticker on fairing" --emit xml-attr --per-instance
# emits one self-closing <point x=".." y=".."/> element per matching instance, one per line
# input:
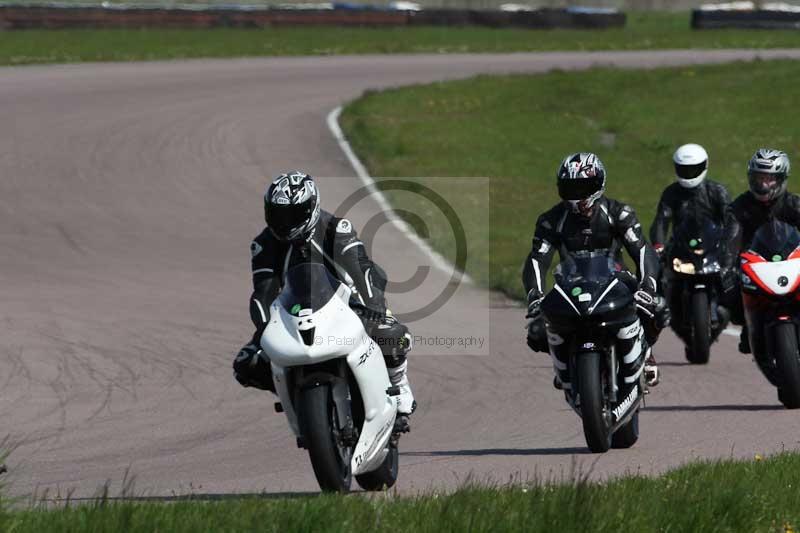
<point x="576" y="291"/>
<point x="693" y="243"/>
<point x="296" y="309"/>
<point x="776" y="258"/>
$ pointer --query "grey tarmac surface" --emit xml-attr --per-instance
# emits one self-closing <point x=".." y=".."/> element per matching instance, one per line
<point x="128" y="197"/>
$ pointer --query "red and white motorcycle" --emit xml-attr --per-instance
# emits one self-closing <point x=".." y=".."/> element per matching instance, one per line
<point x="770" y="273"/>
<point x="332" y="381"/>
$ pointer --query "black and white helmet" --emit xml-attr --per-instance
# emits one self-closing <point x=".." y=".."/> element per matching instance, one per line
<point x="767" y="172"/>
<point x="291" y="206"/>
<point x="691" y="165"/>
<point x="581" y="181"/>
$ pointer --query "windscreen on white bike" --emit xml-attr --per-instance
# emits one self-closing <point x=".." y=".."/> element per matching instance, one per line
<point x="308" y="286"/>
<point x="585" y="266"/>
<point x="775" y="240"/>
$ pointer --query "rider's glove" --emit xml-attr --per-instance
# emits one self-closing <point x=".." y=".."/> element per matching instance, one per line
<point x="534" y="309"/>
<point x="646" y="297"/>
<point x="729" y="279"/>
<point x="659" y="248"/>
<point x="537" y="334"/>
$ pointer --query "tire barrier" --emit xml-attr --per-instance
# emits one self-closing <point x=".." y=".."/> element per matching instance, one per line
<point x="18" y="17"/>
<point x="756" y="19"/>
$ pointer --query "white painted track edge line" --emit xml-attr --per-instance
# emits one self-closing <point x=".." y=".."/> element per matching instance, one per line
<point x="437" y="260"/>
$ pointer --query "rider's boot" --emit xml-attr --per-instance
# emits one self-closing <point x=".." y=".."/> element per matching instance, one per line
<point x="398" y="376"/>
<point x="559" y="356"/>
<point x="723" y="317"/>
<point x="744" y="340"/>
<point x="406" y="405"/>
<point x="652" y="375"/>
<point x="252" y="368"/>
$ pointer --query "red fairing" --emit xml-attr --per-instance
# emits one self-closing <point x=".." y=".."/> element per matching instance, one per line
<point x="752" y="257"/>
<point x="795" y="254"/>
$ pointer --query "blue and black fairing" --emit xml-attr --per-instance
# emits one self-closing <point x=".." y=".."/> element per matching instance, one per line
<point x="590" y="291"/>
<point x="698" y="242"/>
<point x="775" y="240"/>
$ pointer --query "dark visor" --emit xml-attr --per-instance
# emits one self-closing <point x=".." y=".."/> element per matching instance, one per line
<point x="690" y="172"/>
<point x="284" y="219"/>
<point x="579" y="188"/>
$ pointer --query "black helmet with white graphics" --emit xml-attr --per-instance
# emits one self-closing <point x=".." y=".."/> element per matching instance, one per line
<point x="767" y="172"/>
<point x="581" y="181"/>
<point x="291" y="206"/>
<point x="691" y="165"/>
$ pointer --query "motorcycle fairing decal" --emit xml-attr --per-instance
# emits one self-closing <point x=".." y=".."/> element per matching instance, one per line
<point x="635" y="376"/>
<point x="767" y="275"/>
<point x="564" y="294"/>
<point x="630" y="331"/>
<point x="795" y="254"/>
<point x="605" y="292"/>
<point x="626" y="404"/>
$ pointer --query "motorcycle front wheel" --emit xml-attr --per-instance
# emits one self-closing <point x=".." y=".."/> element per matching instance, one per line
<point x="329" y="458"/>
<point x="596" y="427"/>
<point x="787" y="360"/>
<point x="700" y="349"/>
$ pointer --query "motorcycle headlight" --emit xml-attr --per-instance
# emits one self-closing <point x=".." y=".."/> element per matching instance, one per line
<point x="683" y="268"/>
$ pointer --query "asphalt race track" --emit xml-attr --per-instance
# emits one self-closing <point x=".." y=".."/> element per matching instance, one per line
<point x="128" y="197"/>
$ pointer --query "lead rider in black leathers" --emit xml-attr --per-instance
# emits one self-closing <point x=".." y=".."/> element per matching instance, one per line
<point x="587" y="220"/>
<point x="299" y="231"/>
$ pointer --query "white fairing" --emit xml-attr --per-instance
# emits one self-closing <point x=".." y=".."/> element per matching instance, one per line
<point x="771" y="273"/>
<point x="339" y="332"/>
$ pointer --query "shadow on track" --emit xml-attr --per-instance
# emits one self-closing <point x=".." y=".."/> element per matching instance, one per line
<point x="183" y="498"/>
<point x="689" y="408"/>
<point x="497" y="451"/>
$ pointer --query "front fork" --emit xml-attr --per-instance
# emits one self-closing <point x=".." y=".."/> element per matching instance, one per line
<point x="612" y="365"/>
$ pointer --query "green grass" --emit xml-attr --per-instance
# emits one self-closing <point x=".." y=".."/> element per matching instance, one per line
<point x="644" y="31"/>
<point x="702" y="497"/>
<point x="516" y="129"/>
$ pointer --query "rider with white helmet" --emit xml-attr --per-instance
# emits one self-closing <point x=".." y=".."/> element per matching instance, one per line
<point x="693" y="194"/>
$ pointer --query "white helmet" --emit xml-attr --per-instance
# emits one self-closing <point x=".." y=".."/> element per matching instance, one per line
<point x="691" y="165"/>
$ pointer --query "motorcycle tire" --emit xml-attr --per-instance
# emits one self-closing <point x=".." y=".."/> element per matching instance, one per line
<point x="596" y="427"/>
<point x="700" y="313"/>
<point x="383" y="477"/>
<point x="330" y="461"/>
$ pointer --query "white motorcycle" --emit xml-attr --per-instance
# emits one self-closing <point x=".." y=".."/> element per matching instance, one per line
<point x="332" y="382"/>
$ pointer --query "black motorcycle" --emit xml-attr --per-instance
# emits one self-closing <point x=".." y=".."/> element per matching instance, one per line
<point x="592" y="299"/>
<point x="771" y="296"/>
<point x="693" y="282"/>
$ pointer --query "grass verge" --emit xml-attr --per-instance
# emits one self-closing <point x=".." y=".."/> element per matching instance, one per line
<point x="516" y="129"/>
<point x="644" y="31"/>
<point x="748" y="496"/>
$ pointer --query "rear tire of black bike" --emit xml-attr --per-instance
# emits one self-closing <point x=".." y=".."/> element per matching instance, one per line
<point x="627" y="435"/>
